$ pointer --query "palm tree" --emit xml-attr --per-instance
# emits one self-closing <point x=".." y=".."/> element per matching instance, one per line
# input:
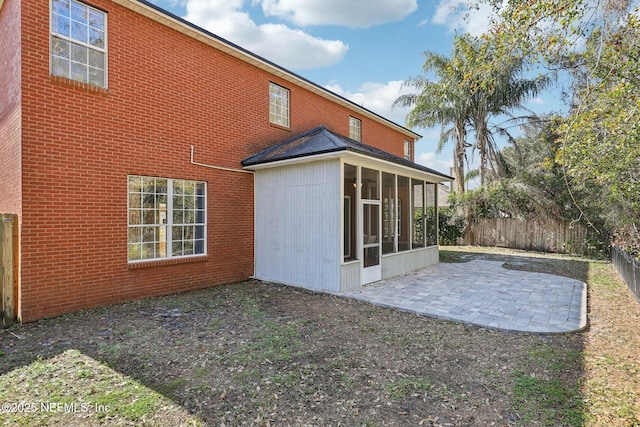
<point x="493" y="94"/>
<point x="444" y="103"/>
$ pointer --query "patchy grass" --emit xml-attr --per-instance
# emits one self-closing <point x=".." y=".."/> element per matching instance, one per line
<point x="262" y="354"/>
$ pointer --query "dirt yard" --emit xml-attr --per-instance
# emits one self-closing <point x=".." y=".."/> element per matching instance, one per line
<point x="263" y="354"/>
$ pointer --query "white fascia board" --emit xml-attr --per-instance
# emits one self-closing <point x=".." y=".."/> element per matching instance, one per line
<point x="391" y="167"/>
<point x="357" y="159"/>
<point x="295" y="161"/>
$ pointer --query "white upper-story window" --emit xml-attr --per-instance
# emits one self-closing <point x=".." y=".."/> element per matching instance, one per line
<point x="79" y="42"/>
<point x="407" y="149"/>
<point x="278" y="105"/>
<point x="355" y="128"/>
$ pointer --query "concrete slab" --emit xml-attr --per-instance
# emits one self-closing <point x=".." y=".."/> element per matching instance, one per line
<point x="483" y="293"/>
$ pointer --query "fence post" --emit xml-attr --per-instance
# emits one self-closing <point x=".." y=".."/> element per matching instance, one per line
<point x="8" y="228"/>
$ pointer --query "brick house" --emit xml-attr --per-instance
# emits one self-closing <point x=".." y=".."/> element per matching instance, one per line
<point x="145" y="156"/>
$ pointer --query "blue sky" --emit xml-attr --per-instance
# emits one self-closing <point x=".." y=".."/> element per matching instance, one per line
<point x="360" y="49"/>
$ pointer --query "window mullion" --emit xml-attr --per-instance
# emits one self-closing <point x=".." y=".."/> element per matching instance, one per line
<point x="169" y="218"/>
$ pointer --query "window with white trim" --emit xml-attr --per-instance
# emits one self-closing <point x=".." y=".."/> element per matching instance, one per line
<point x="79" y="42"/>
<point x="407" y="149"/>
<point x="278" y="105"/>
<point x="355" y="128"/>
<point x="167" y="218"/>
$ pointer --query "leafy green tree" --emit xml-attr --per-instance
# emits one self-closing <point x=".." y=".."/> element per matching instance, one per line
<point x="597" y="45"/>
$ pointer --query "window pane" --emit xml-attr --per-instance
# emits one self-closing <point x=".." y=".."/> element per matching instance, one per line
<point x="79" y="53"/>
<point x="389" y="224"/>
<point x="135" y="252"/>
<point x="349" y="219"/>
<point x="134" y="235"/>
<point x="149" y="217"/>
<point x="79" y="32"/>
<point x="189" y="217"/>
<point x="96" y="38"/>
<point x="418" y="213"/>
<point x="177" y="233"/>
<point x="78" y="72"/>
<point x="149" y="185"/>
<point x="431" y="215"/>
<point x="369" y="184"/>
<point x="200" y="190"/>
<point x="60" y="47"/>
<point x="96" y="59"/>
<point x="199" y="232"/>
<point x="403" y="214"/>
<point x="188" y="248"/>
<point x="189" y="202"/>
<point x="148" y="250"/>
<point x="176" y="248"/>
<point x="135" y="217"/>
<point x="178" y="217"/>
<point x="96" y="19"/>
<point x="135" y="183"/>
<point x="370" y="224"/>
<point x="78" y="12"/>
<point x="96" y="77"/>
<point x="61" y="7"/>
<point x="371" y="256"/>
<point x="60" y="67"/>
<point x="148" y="234"/>
<point x="60" y="25"/>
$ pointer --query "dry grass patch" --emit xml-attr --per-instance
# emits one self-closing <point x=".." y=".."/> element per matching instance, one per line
<point x="262" y="354"/>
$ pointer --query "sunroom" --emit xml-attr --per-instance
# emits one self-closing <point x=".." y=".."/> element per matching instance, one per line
<point x="334" y="214"/>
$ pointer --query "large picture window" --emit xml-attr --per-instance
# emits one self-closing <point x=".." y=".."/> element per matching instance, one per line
<point x="167" y="218"/>
<point x="78" y="42"/>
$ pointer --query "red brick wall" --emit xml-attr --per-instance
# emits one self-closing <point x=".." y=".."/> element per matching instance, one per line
<point x="10" y="162"/>
<point x="166" y="92"/>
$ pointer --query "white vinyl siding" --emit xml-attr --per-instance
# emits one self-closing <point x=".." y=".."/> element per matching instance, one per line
<point x="297" y="225"/>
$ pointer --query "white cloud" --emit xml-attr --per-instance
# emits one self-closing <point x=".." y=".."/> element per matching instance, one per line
<point x="290" y="48"/>
<point x="377" y="97"/>
<point x="438" y="162"/>
<point x="348" y="13"/>
<point x="461" y="16"/>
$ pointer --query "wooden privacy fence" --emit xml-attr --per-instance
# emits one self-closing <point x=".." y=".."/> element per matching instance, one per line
<point x="628" y="267"/>
<point x="560" y="237"/>
<point x="8" y="268"/>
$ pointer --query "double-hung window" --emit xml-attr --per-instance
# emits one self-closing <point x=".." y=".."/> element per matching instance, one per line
<point x="79" y="42"/>
<point x="355" y="128"/>
<point x="278" y="105"/>
<point x="407" y="149"/>
<point x="167" y="218"/>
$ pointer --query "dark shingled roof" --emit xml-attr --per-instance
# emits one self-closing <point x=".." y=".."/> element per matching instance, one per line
<point x="321" y="140"/>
